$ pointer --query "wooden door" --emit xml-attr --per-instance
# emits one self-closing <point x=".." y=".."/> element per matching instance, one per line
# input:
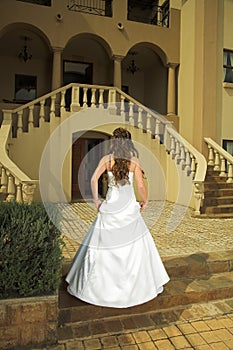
<point x="85" y="158"/>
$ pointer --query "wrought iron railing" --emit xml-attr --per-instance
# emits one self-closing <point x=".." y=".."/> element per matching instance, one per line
<point x="152" y="12"/>
<point x="94" y="7"/>
<point x="38" y="2"/>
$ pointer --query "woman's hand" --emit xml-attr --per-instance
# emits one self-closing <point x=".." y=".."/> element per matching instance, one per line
<point x="143" y="205"/>
<point x="97" y="203"/>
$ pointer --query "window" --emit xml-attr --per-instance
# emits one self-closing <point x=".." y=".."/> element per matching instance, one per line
<point x="228" y="146"/>
<point x="25" y="87"/>
<point x="228" y="66"/>
<point x="38" y="2"/>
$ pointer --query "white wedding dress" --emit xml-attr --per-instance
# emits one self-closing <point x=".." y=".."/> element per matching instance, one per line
<point x="117" y="264"/>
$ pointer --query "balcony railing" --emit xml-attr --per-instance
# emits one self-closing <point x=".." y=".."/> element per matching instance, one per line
<point x="38" y="2"/>
<point x="149" y="12"/>
<point x="94" y="7"/>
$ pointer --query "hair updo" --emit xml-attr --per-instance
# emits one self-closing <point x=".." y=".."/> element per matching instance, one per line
<point x="123" y="150"/>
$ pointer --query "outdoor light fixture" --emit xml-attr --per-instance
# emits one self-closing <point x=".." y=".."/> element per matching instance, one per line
<point x="132" y="68"/>
<point x="24" y="55"/>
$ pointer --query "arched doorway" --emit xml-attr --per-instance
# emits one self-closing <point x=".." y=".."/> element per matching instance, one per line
<point x="25" y="64"/>
<point x="86" y="60"/>
<point x="144" y="76"/>
<point x="87" y="151"/>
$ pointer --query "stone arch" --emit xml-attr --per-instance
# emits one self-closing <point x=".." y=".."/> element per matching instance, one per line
<point x="145" y="75"/>
<point x="90" y="49"/>
<point x="13" y="38"/>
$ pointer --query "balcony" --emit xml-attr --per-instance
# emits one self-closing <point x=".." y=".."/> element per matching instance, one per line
<point x="148" y="11"/>
<point x="94" y="7"/>
<point x="38" y="2"/>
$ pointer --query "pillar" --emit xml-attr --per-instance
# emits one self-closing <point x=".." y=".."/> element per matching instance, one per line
<point x="56" y="70"/>
<point x="171" y="90"/>
<point x="117" y="71"/>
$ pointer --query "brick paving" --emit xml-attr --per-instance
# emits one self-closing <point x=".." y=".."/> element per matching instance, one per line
<point x="206" y="326"/>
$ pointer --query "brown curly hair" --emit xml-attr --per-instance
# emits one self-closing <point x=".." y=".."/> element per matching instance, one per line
<point x="123" y="150"/>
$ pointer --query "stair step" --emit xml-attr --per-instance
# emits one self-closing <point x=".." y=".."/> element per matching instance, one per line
<point x="224" y="208"/>
<point x="217" y="184"/>
<point x="177" y="293"/>
<point x="215" y="216"/>
<point x="194" y="265"/>
<point x="214" y="201"/>
<point x="222" y="192"/>
<point x="196" y="278"/>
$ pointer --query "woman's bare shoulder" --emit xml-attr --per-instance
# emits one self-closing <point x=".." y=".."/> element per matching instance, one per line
<point x="134" y="163"/>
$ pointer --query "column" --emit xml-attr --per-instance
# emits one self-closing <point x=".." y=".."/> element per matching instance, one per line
<point x="171" y="90"/>
<point x="117" y="70"/>
<point x="56" y="70"/>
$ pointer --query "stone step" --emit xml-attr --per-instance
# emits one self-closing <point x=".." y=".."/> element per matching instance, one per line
<point x="224" y="208"/>
<point x="222" y="192"/>
<point x="195" y="278"/>
<point x="214" y="201"/>
<point x="194" y="265"/>
<point x="215" y="216"/>
<point x="217" y="184"/>
<point x="178" y="293"/>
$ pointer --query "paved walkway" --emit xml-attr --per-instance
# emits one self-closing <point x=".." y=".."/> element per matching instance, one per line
<point x="176" y="232"/>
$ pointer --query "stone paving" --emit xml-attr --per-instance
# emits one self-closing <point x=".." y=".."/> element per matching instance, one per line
<point x="207" y="326"/>
<point x="174" y="229"/>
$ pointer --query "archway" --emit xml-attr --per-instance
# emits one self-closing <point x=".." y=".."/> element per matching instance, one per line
<point x="25" y="63"/>
<point x="86" y="153"/>
<point x="144" y="76"/>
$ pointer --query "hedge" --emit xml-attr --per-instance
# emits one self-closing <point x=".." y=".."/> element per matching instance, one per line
<point x="30" y="249"/>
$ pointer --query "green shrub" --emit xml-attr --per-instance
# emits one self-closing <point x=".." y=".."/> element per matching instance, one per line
<point x="30" y="249"/>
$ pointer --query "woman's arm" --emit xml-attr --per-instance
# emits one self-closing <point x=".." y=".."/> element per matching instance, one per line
<point x="140" y="185"/>
<point x="102" y="166"/>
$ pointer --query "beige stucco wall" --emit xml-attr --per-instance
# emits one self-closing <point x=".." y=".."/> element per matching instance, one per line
<point x="227" y="92"/>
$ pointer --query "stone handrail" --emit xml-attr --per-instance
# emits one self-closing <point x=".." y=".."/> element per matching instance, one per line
<point x="220" y="159"/>
<point x="14" y="183"/>
<point x="96" y="96"/>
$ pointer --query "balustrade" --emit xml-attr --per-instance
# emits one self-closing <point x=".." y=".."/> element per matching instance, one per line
<point x="74" y="97"/>
<point x="220" y="160"/>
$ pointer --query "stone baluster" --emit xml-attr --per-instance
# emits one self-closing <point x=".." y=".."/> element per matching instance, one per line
<point x="131" y="114"/>
<point x="167" y="139"/>
<point x="211" y="156"/>
<point x="112" y="100"/>
<point x="216" y="161"/>
<point x="93" y="100"/>
<point x="222" y="167"/>
<point x="19" y="197"/>
<point x="198" y="196"/>
<point x="28" y="192"/>
<point x="177" y="151"/>
<point x="52" y="107"/>
<point x="187" y="162"/>
<point x="4" y="179"/>
<point x="193" y="165"/>
<point x="74" y="106"/>
<point x="157" y="127"/>
<point x="122" y="106"/>
<point x="42" y="112"/>
<point x="62" y="103"/>
<point x="85" y="97"/>
<point x="182" y="156"/>
<point x="10" y="187"/>
<point x="140" y="123"/>
<point x="148" y="123"/>
<point x="20" y="123"/>
<point x="30" y="118"/>
<point x="101" y="98"/>
<point x="230" y="173"/>
<point x="172" y="149"/>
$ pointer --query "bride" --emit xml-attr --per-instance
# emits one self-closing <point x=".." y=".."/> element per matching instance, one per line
<point x="118" y="264"/>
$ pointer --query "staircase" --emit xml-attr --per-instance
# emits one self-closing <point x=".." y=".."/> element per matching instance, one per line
<point x="218" y="196"/>
<point x="195" y="279"/>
